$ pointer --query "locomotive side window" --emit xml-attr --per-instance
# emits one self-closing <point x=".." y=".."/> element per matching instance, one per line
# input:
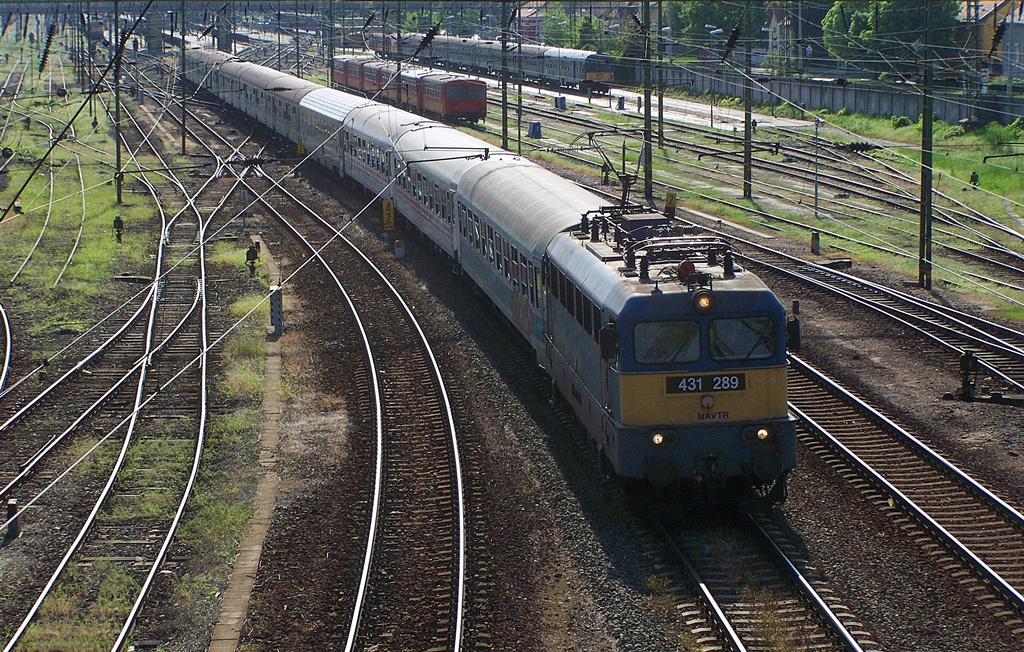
<point x="596" y="321"/>
<point x="553" y="281"/>
<point x="588" y="315"/>
<point x="749" y="338"/>
<point x="666" y="342"/>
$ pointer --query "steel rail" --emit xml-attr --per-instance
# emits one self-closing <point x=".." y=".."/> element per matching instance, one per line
<point x="816" y="600"/>
<point x="953" y="544"/>
<point x="42" y="229"/>
<point x="80" y="364"/>
<point x="716" y="611"/>
<point x="916" y="444"/>
<point x="118" y="463"/>
<point x="379" y="417"/>
<point x="443" y="394"/>
<point x="147" y="585"/>
<point x="986" y="343"/>
<point x="7" y="347"/>
<point x="81" y="224"/>
<point x="26" y="467"/>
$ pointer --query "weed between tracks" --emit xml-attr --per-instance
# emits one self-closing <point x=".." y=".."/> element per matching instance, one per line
<point x="221" y="505"/>
<point x="84" y="612"/>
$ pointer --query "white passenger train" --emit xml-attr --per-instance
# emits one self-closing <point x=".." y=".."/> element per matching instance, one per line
<point x="671" y="355"/>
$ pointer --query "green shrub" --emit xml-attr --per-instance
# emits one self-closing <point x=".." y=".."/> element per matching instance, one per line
<point x="900" y="121"/>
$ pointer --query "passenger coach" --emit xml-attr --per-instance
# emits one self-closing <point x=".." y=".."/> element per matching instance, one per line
<point x="447" y="96"/>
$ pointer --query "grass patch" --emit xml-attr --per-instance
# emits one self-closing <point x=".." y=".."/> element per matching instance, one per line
<point x="658" y="596"/>
<point x="773" y="631"/>
<point x="84" y="611"/>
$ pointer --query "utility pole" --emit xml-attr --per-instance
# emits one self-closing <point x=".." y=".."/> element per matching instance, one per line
<point x="647" y="154"/>
<point x="661" y="77"/>
<point x="924" y="273"/>
<point x="330" y="42"/>
<point x="519" y="93"/>
<point x="118" y="175"/>
<point x="817" y="123"/>
<point x="504" y="74"/>
<point x="800" y="35"/>
<point x="298" y="61"/>
<point x="181" y="77"/>
<point x="747" y="102"/>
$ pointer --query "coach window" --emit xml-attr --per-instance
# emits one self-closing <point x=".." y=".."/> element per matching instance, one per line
<point x="748" y="338"/>
<point x="524" y="275"/>
<point x="578" y="296"/>
<point x="504" y="258"/>
<point x="490" y="244"/>
<point x="666" y="342"/>
<point x="535" y="279"/>
<point x="536" y="293"/>
<point x="554" y="280"/>
<point x="588" y="315"/>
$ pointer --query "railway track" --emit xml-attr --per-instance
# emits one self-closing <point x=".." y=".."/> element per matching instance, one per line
<point x="408" y="594"/>
<point x="996" y="257"/>
<point x="999" y="350"/>
<point x="411" y="588"/>
<point x="124" y="538"/>
<point x="757" y="589"/>
<point x="974" y="535"/>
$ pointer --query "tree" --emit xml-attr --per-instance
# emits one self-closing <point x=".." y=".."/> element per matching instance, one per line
<point x="557" y="28"/>
<point x="689" y="18"/>
<point x="877" y="35"/>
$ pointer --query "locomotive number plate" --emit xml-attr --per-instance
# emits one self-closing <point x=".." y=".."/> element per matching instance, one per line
<point x="711" y="383"/>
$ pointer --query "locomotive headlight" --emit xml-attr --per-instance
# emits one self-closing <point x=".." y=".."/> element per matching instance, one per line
<point x="762" y="434"/>
<point x="703" y="300"/>
<point x="658" y="439"/>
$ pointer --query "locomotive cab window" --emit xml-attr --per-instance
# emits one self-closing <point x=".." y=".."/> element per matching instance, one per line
<point x="748" y="338"/>
<point x="666" y="342"/>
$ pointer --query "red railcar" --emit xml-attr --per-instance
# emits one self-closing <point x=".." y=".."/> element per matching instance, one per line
<point x="449" y="96"/>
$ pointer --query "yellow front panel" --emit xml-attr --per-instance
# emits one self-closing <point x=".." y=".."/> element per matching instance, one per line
<point x="645" y="401"/>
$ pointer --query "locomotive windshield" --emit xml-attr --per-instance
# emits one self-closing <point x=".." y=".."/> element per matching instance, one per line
<point x="666" y="342"/>
<point x="749" y="338"/>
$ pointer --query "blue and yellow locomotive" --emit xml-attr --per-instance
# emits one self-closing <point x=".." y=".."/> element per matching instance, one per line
<point x="679" y="369"/>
